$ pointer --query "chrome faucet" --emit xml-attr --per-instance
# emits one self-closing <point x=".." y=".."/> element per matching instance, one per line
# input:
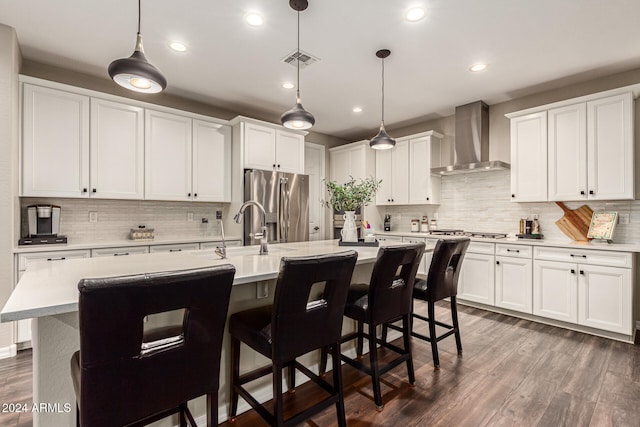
<point x="263" y="235"/>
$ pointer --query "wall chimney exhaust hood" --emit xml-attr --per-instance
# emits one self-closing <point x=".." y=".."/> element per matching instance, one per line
<point x="472" y="142"/>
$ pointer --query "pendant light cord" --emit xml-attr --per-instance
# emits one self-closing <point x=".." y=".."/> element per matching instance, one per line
<point x="383" y="91"/>
<point x="298" y="56"/>
<point x="139" y="14"/>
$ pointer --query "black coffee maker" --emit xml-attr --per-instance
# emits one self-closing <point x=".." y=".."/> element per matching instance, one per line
<point x="387" y="222"/>
<point x="43" y="223"/>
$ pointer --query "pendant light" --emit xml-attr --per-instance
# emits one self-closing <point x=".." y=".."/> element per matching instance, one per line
<point x="135" y="72"/>
<point x="298" y="117"/>
<point x="382" y="141"/>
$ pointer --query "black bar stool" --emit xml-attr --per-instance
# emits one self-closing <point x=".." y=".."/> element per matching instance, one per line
<point x="441" y="283"/>
<point x="294" y="325"/>
<point x="120" y="376"/>
<point x="386" y="298"/>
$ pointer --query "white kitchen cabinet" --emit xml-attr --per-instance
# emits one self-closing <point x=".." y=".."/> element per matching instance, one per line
<point x="529" y="157"/>
<point x="567" y="144"/>
<point x="555" y="290"/>
<point x="167" y="156"/>
<point x="269" y="148"/>
<point x="605" y="297"/>
<point x="179" y="247"/>
<point x="121" y="251"/>
<point x="424" y="153"/>
<point x="23" y="327"/>
<point x="55" y="143"/>
<point x="355" y="160"/>
<point x="117" y="150"/>
<point x="211" y="166"/>
<point x="514" y="277"/>
<point x="388" y="238"/>
<point x="392" y="169"/>
<point x="477" y="274"/>
<point x="610" y="148"/>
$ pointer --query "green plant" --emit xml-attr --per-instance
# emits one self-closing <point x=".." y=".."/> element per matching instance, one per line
<point x="351" y="195"/>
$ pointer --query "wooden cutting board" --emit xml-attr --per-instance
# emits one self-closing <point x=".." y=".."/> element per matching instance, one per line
<point x="575" y="222"/>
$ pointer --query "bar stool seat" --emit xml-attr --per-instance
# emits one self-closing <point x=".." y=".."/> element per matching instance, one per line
<point x="298" y="322"/>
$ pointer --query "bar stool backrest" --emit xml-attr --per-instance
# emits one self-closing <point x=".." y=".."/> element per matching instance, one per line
<point x="442" y="280"/>
<point x="391" y="284"/>
<point x="302" y="322"/>
<point x="124" y="379"/>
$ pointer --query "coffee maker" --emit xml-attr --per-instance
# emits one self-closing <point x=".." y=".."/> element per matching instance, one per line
<point x="43" y="223"/>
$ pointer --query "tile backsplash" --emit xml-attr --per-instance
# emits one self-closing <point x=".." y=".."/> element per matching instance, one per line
<point x="481" y="202"/>
<point x="117" y="217"/>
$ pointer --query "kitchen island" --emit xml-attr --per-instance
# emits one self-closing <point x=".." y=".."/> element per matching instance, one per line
<point x="48" y="294"/>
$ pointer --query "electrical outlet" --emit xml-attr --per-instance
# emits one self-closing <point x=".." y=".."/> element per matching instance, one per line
<point x="93" y="216"/>
<point x="262" y="289"/>
<point x="189" y="216"/>
<point x="218" y="214"/>
<point x="624" y="218"/>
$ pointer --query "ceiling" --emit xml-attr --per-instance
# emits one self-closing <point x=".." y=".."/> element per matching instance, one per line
<point x="528" y="45"/>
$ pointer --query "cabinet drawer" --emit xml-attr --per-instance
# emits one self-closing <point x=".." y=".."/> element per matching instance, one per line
<point x="387" y="238"/>
<point x="120" y="251"/>
<point x="595" y="257"/>
<point x="218" y="243"/>
<point x="481" y="248"/>
<point x="517" y="251"/>
<point x="414" y="239"/>
<point x="175" y="248"/>
<point x="24" y="260"/>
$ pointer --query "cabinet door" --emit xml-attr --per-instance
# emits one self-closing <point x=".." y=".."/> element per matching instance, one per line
<point x="476" y="281"/>
<point x="384" y="164"/>
<point x="55" y="143"/>
<point x="259" y="147"/>
<point x="529" y="158"/>
<point x="122" y="251"/>
<point x="568" y="153"/>
<point x="605" y="298"/>
<point x="421" y="191"/>
<point x="289" y="152"/>
<point x="610" y="148"/>
<point x="400" y="173"/>
<point x="555" y="290"/>
<point x="211" y="162"/>
<point x="339" y="166"/>
<point x="117" y="150"/>
<point x="514" y="280"/>
<point x="167" y="156"/>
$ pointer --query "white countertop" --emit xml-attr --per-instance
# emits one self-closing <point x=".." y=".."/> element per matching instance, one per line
<point x="49" y="288"/>
<point x="593" y="245"/>
<point x="119" y="244"/>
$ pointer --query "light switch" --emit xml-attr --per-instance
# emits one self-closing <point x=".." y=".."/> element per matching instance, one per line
<point x="93" y="216"/>
<point x="189" y="216"/>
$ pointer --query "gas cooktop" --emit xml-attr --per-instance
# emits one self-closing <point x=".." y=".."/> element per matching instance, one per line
<point x="456" y="232"/>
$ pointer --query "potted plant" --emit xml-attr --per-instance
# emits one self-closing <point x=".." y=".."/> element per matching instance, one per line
<point x="348" y="197"/>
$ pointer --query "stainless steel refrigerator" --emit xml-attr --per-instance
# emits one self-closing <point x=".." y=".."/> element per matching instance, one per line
<point x="285" y="197"/>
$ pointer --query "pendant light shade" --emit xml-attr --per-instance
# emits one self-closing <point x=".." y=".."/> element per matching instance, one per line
<point x="135" y="72"/>
<point x="382" y="141"/>
<point x="297" y="117"/>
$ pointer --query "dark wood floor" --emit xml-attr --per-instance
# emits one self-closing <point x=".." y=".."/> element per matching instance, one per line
<point x="513" y="373"/>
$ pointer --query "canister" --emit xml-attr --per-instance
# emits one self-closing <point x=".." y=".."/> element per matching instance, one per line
<point x="415" y="225"/>
<point x="424" y="225"/>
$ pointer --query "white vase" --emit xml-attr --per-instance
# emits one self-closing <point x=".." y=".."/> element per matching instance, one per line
<point x="349" y="231"/>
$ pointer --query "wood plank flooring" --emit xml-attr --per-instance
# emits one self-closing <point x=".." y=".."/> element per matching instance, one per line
<point x="513" y="373"/>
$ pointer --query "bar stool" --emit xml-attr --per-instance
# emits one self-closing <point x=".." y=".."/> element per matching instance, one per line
<point x="386" y="298"/>
<point x="294" y="325"/>
<point x="441" y="283"/>
<point x="122" y="376"/>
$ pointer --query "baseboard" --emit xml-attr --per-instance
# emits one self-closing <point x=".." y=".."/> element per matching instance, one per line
<point x="10" y="351"/>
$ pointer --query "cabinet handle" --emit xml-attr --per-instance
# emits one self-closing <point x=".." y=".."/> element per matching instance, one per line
<point x="591" y="192"/>
<point x="56" y="259"/>
<point x="274" y="165"/>
<point x="195" y="194"/>
<point x="427" y="198"/>
<point x="582" y="272"/>
<point x="121" y="254"/>
<point x="188" y="194"/>
<point x="497" y="262"/>
<point x="388" y="200"/>
<point x="84" y="190"/>
<point x="573" y="271"/>
<point x="578" y="256"/>
<point x="94" y="190"/>
<point x="513" y="196"/>
<point x="278" y="166"/>
<point x="175" y="250"/>
<point x="392" y="200"/>
<point x="513" y="250"/>
<point x="582" y="193"/>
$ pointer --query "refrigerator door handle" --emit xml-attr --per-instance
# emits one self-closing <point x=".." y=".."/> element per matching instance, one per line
<point x="284" y="210"/>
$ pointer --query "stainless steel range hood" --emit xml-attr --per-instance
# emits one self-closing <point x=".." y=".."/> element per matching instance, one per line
<point x="472" y="142"/>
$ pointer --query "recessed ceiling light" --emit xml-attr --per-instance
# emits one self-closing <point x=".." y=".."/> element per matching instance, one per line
<point x="288" y="85"/>
<point x="357" y="109"/>
<point x="177" y="46"/>
<point x="254" y="19"/>
<point x="478" y="67"/>
<point x="415" y="14"/>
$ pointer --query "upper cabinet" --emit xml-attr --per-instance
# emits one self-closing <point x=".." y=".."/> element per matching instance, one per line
<point x="355" y="160"/>
<point x="392" y="169"/>
<point x="267" y="147"/>
<point x="55" y="143"/>
<point x="585" y="153"/>
<point x="78" y="145"/>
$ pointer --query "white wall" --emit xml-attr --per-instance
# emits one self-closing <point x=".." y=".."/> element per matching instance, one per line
<point x="9" y="66"/>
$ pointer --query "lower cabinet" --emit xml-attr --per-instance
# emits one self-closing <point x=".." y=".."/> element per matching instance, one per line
<point x="123" y="251"/>
<point x="514" y="268"/>
<point x="423" y="269"/>
<point x="555" y="290"/>
<point x="477" y="275"/>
